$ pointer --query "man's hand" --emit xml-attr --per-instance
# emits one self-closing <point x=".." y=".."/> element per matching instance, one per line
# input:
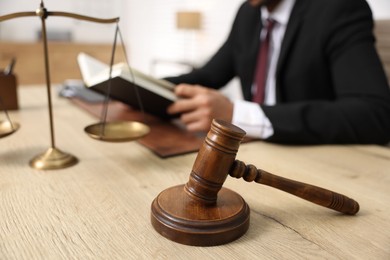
<point x="199" y="106"/>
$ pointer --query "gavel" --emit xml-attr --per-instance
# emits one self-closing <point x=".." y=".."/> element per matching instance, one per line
<point x="203" y="213"/>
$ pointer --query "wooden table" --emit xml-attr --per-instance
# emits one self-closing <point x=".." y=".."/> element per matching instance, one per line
<point x="100" y="208"/>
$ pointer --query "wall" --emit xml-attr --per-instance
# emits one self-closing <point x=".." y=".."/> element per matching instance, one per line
<point x="26" y="29"/>
<point x="153" y="35"/>
<point x="380" y="8"/>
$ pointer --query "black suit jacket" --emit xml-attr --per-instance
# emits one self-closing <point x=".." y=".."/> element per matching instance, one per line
<point x="331" y="87"/>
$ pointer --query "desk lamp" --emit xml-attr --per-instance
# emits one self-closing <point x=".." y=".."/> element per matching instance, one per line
<point x="203" y="213"/>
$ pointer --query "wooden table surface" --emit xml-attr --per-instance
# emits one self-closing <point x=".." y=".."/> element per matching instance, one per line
<point x="100" y="208"/>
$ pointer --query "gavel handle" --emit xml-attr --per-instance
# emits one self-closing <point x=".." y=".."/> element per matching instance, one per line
<point x="317" y="195"/>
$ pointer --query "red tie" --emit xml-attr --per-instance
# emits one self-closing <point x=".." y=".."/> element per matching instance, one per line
<point x="262" y="64"/>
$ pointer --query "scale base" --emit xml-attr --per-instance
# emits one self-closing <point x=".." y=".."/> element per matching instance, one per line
<point x="178" y="217"/>
<point x="53" y="159"/>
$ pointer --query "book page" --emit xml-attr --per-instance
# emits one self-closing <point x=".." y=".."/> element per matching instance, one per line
<point x="94" y="72"/>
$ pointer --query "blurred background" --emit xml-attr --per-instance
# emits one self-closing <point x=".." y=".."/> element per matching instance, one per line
<point x="161" y="37"/>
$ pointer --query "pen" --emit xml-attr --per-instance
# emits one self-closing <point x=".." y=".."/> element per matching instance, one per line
<point x="8" y="70"/>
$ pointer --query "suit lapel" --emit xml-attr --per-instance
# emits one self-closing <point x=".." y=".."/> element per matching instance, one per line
<point x="296" y="18"/>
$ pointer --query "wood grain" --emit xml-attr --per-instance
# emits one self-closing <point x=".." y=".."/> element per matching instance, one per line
<point x="306" y="191"/>
<point x="100" y="208"/>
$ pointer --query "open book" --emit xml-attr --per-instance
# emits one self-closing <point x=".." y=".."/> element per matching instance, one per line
<point x="155" y="95"/>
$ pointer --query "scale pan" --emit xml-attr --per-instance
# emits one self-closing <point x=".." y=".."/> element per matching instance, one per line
<point x="6" y="128"/>
<point x="117" y="131"/>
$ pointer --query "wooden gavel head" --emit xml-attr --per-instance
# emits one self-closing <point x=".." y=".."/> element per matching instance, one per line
<point x="203" y="213"/>
<point x="214" y="160"/>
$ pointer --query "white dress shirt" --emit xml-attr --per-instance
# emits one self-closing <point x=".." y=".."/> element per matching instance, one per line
<point x="248" y="115"/>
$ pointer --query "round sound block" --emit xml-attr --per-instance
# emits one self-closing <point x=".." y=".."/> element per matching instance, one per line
<point x="179" y="217"/>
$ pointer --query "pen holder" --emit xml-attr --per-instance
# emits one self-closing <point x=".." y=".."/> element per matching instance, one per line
<point x="8" y="91"/>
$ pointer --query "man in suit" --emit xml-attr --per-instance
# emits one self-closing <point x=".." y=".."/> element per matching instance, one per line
<point x="325" y="81"/>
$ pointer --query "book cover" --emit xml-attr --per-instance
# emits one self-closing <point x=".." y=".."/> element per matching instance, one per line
<point x="128" y="85"/>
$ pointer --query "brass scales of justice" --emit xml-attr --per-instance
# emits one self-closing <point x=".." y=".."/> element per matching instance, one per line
<point x="120" y="131"/>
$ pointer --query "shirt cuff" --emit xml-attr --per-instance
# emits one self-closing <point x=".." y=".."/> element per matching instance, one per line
<point x="251" y="118"/>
